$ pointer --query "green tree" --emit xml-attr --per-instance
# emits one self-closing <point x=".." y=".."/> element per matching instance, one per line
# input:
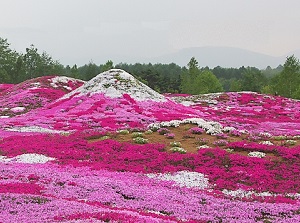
<point x="107" y="66"/>
<point x="270" y="72"/>
<point x="67" y="71"/>
<point x="162" y="77"/>
<point x="186" y="83"/>
<point x="8" y="59"/>
<point x="287" y="82"/>
<point x="207" y="82"/>
<point x="193" y="68"/>
<point x="91" y="70"/>
<point x="17" y="67"/>
<point x="19" y="70"/>
<point x="193" y="64"/>
<point x="188" y="77"/>
<point x="37" y="64"/>
<point x="196" y="81"/>
<point x="32" y="59"/>
<point x="235" y="85"/>
<point x="152" y="78"/>
<point x="74" y="72"/>
<point x="252" y="79"/>
<point x="4" y="77"/>
<point x="267" y="90"/>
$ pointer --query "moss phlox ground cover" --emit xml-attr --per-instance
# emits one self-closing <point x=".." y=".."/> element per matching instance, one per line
<point x="69" y="153"/>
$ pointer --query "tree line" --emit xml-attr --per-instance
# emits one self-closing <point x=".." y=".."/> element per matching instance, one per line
<point x="284" y="80"/>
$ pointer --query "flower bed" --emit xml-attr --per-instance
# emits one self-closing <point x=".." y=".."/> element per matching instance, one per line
<point x="91" y="156"/>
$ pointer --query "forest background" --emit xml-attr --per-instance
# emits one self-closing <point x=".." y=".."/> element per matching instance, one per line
<point x="284" y="80"/>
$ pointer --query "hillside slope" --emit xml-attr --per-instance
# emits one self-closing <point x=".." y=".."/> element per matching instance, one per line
<point x="34" y="93"/>
<point x="112" y="100"/>
<point x="115" y="100"/>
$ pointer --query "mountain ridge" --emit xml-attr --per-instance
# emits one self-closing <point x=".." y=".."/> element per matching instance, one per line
<point x="213" y="56"/>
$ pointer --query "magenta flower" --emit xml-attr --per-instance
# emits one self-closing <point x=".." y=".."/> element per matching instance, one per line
<point x="170" y="135"/>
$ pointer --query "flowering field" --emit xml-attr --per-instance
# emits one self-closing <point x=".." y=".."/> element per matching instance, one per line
<point x="113" y="150"/>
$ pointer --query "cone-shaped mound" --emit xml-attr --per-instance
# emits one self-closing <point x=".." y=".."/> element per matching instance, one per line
<point x="115" y="83"/>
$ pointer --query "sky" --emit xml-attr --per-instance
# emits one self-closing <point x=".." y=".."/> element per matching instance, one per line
<point x="79" y="31"/>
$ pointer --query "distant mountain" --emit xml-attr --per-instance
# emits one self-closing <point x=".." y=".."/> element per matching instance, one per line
<point x="223" y="56"/>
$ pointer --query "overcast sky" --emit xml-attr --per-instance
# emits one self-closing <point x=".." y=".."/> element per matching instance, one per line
<point x="78" y="31"/>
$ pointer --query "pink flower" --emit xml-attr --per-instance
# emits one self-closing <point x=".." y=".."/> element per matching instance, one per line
<point x="170" y="135"/>
<point x="163" y="131"/>
<point x="196" y="130"/>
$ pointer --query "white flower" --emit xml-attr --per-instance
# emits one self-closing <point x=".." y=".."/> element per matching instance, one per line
<point x="203" y="147"/>
<point x="296" y="137"/>
<point x="211" y="128"/>
<point x="18" y="109"/>
<point x="257" y="154"/>
<point x="175" y="144"/>
<point x="228" y="129"/>
<point x="229" y="150"/>
<point x="266" y="143"/>
<point x="27" y="158"/>
<point x="242" y="193"/>
<point x="34" y="129"/>
<point x="184" y="179"/>
<point x="290" y="142"/>
<point x="178" y="149"/>
<point x="265" y="134"/>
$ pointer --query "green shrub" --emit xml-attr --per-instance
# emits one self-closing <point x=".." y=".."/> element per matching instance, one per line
<point x="175" y="144"/>
<point x="137" y="134"/>
<point x="123" y="132"/>
<point x="140" y="140"/>
<point x="149" y="132"/>
<point x="104" y="137"/>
